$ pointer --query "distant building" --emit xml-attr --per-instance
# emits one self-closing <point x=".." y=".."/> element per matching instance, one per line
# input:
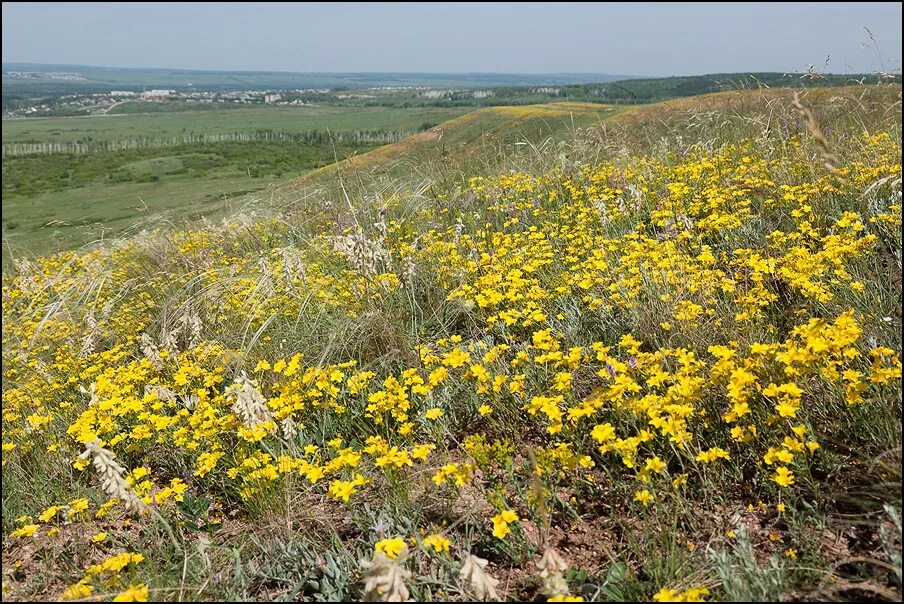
<point x="272" y="98"/>
<point x="122" y="93"/>
<point x="157" y="94"/>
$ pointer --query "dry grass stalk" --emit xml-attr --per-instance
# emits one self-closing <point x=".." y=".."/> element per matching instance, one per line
<point x="830" y="160"/>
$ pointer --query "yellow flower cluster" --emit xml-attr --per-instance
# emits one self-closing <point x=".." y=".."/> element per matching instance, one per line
<point x="501" y="522"/>
<point x="662" y="320"/>
<point x="692" y="594"/>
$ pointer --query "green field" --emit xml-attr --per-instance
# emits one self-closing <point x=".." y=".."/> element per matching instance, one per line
<point x="281" y="119"/>
<point x="58" y="201"/>
<point x="61" y="220"/>
<point x="76" y="199"/>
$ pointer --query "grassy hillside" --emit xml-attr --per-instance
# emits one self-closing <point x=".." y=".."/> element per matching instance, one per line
<point x="185" y="165"/>
<point x="485" y="140"/>
<point x="657" y="89"/>
<point x="481" y="138"/>
<point x="548" y="352"/>
<point x="60" y="201"/>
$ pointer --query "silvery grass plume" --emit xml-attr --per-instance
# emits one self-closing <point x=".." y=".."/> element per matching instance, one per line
<point x="162" y="393"/>
<point x="185" y="334"/>
<point x="289" y="428"/>
<point x="552" y="568"/>
<point x="407" y="273"/>
<point x="473" y="572"/>
<point x="366" y="255"/>
<point x="90" y="340"/>
<point x="250" y="406"/>
<point x="112" y="475"/>
<point x="292" y="265"/>
<point x="150" y="350"/>
<point x="384" y="578"/>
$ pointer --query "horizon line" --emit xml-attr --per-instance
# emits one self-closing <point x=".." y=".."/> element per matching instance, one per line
<point x="446" y="73"/>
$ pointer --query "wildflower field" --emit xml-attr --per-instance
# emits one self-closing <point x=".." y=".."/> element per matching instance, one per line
<point x="658" y="358"/>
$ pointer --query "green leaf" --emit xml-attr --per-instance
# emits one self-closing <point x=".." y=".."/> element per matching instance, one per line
<point x="613" y="588"/>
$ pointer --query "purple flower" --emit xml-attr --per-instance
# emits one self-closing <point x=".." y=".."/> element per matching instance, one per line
<point x="380" y="528"/>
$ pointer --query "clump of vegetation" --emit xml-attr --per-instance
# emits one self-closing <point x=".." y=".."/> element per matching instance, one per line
<point x="30" y="175"/>
<point x="643" y="361"/>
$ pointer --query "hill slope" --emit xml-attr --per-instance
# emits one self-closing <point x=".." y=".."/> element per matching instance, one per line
<point x="472" y="142"/>
<point x="657" y="357"/>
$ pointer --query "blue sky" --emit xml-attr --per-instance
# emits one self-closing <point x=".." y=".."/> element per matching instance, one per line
<point x="653" y="39"/>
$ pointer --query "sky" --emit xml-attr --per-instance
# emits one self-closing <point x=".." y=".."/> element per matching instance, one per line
<point x="652" y="39"/>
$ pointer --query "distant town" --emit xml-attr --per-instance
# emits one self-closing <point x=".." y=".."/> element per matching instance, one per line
<point x="61" y="92"/>
<point x="101" y="103"/>
<point x="43" y="75"/>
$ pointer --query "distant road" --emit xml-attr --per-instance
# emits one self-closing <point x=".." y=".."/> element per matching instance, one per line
<point x="107" y="109"/>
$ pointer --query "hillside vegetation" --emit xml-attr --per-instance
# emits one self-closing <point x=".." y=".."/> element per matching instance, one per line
<point x="549" y="352"/>
<point x="646" y="90"/>
<point x="69" y="181"/>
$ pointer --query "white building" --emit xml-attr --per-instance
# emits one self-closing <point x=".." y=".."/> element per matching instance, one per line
<point x="157" y="94"/>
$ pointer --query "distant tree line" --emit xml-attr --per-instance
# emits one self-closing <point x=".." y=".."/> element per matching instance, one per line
<point x="29" y="175"/>
<point x="312" y="138"/>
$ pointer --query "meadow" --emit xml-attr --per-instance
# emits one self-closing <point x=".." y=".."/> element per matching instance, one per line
<point x="227" y="121"/>
<point x="185" y="165"/>
<point x="559" y="352"/>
